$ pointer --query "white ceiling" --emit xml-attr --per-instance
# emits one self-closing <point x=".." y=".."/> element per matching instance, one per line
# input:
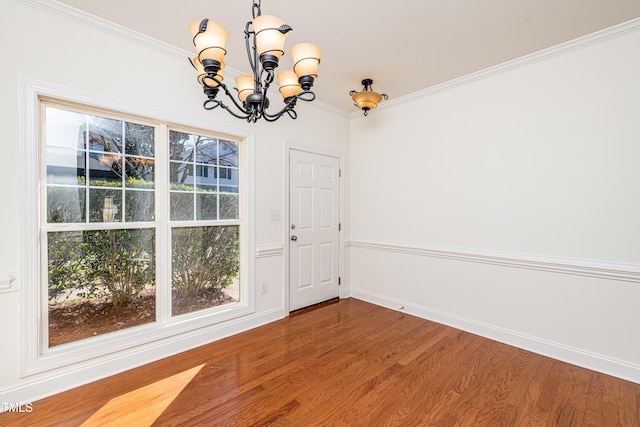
<point x="404" y="46"/>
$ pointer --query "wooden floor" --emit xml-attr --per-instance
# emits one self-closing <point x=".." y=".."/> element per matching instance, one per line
<point x="347" y="364"/>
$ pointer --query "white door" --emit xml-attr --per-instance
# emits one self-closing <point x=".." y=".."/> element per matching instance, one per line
<point x="314" y="229"/>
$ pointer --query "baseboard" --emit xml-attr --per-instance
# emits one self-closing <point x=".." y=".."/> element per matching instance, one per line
<point x="595" y="362"/>
<point x="33" y="389"/>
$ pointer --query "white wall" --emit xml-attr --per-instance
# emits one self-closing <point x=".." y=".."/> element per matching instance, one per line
<point x="506" y="204"/>
<point x="42" y="45"/>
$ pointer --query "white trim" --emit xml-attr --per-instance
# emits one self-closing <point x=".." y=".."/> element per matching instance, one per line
<point x="39" y="387"/>
<point x="542" y="55"/>
<point x="35" y="360"/>
<point x="265" y="251"/>
<point x="8" y="282"/>
<point x="79" y="16"/>
<point x="35" y="88"/>
<point x="28" y="226"/>
<point x="585" y="359"/>
<point x="578" y="267"/>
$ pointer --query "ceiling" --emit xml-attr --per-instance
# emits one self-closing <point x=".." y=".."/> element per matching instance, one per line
<point x="404" y="47"/>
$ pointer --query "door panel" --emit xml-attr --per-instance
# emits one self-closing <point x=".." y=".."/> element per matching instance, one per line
<point x="314" y="191"/>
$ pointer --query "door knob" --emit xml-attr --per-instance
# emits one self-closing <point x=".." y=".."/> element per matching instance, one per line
<point x="294" y="238"/>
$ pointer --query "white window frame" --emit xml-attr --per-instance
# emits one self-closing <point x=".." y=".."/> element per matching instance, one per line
<point x="37" y="358"/>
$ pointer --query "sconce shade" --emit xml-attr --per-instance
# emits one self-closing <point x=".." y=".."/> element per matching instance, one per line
<point x="366" y="99"/>
<point x="211" y="42"/>
<point x="246" y="86"/>
<point x="306" y="58"/>
<point x="289" y="85"/>
<point x="269" y="38"/>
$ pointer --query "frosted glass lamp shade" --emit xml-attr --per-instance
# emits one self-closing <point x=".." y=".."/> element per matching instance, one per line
<point x="269" y="39"/>
<point x="246" y="86"/>
<point x="306" y="58"/>
<point x="289" y="85"/>
<point x="366" y="100"/>
<point x="210" y="44"/>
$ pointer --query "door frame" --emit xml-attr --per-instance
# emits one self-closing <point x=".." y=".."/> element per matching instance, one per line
<point x="286" y="223"/>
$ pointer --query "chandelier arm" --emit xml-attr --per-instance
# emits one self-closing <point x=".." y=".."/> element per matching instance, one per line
<point x="264" y="89"/>
<point x="270" y="118"/>
<point x="233" y="99"/>
<point x="256" y="8"/>
<point x="253" y="60"/>
<point x="290" y="104"/>
<point x="210" y="104"/>
<point x="302" y="95"/>
<point x="246" y="115"/>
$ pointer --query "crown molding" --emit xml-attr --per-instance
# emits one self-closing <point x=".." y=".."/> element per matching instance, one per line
<point x="70" y="13"/>
<point x="542" y="55"/>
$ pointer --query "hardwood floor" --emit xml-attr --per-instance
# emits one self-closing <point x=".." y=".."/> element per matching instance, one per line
<point x="347" y="364"/>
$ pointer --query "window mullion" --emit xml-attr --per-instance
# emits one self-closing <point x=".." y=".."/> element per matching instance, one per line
<point x="163" y="244"/>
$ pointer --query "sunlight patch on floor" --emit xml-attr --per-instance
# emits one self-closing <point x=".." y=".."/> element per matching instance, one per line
<point x="143" y="406"/>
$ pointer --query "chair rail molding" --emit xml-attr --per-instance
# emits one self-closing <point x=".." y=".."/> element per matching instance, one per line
<point x="8" y="282"/>
<point x="626" y="272"/>
<point x="265" y="251"/>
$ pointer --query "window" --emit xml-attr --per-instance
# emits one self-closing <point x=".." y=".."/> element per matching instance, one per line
<point x="106" y="221"/>
<point x="204" y="222"/>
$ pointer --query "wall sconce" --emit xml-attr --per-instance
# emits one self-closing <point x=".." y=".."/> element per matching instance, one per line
<point x="367" y="99"/>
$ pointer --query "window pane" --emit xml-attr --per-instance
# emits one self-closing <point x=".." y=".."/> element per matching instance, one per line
<point x="206" y="178"/>
<point x="206" y="206"/>
<point x="228" y="180"/>
<point x="228" y="206"/>
<point x="181" y="146"/>
<point x="140" y="172"/>
<point x="139" y="140"/>
<point x="181" y="207"/>
<point x="105" y="170"/>
<point x="181" y="176"/>
<point x="99" y="281"/>
<point x="65" y="128"/>
<point x="204" y="267"/>
<point x="228" y="155"/>
<point x="105" y="135"/>
<point x="105" y="205"/>
<point x="139" y="206"/>
<point x="206" y="150"/>
<point x="66" y="204"/>
<point x="65" y="166"/>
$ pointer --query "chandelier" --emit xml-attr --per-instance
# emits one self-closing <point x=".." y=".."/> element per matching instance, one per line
<point x="367" y="99"/>
<point x="264" y="37"/>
